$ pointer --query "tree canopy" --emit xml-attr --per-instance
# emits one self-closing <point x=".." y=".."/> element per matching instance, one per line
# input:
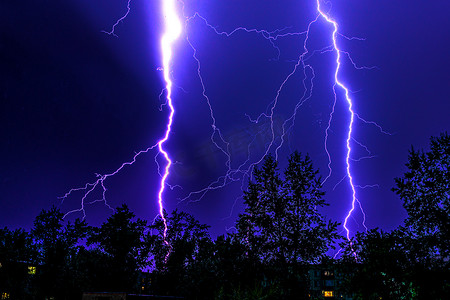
<point x="281" y="222"/>
<point x="281" y="241"/>
<point x="425" y="192"/>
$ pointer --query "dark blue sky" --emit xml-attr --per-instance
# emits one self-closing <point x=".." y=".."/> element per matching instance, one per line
<point x="76" y="101"/>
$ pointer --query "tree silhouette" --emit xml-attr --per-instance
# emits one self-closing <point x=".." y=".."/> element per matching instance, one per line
<point x="57" y="244"/>
<point x="280" y="237"/>
<point x="175" y="256"/>
<point x="382" y="268"/>
<point x="281" y="222"/>
<point x="425" y="191"/>
<point x="120" y="238"/>
<point x="17" y="253"/>
<point x="281" y="225"/>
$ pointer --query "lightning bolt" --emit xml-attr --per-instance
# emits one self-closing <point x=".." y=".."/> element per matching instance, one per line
<point x="90" y="187"/>
<point x="120" y="20"/>
<point x="288" y="123"/>
<point x="172" y="31"/>
<point x="235" y="172"/>
<point x="350" y="110"/>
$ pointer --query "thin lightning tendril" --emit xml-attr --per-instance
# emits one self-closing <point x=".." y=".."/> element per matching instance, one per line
<point x="100" y="182"/>
<point x="120" y="20"/>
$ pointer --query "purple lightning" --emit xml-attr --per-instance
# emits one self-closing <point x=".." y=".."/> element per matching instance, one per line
<point x="113" y="29"/>
<point x="172" y="32"/>
<point x="100" y="182"/>
<point x="238" y="171"/>
<point x="288" y="123"/>
<point x="352" y="115"/>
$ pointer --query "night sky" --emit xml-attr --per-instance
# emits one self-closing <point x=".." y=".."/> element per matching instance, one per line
<point x="75" y="101"/>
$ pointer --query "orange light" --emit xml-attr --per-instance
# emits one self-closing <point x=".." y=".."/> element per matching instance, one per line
<point x="5" y="296"/>
<point x="327" y="293"/>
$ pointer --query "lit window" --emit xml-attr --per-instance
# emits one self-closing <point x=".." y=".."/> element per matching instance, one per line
<point x="327" y="293"/>
<point x="31" y="270"/>
<point x="143" y="287"/>
<point x="5" y="296"/>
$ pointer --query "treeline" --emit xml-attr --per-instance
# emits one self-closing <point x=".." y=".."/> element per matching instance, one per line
<point x="281" y="239"/>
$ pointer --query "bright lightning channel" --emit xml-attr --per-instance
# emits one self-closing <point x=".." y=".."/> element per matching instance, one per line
<point x="173" y="28"/>
<point x="352" y="115"/>
<point x="172" y="32"/>
<point x="300" y="62"/>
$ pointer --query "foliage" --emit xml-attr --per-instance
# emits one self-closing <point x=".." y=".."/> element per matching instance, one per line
<point x="175" y="254"/>
<point x="17" y="253"/>
<point x="425" y="191"/>
<point x="281" y="237"/>
<point x="281" y="225"/>
<point x="120" y="239"/>
<point x="223" y="270"/>
<point x="281" y="222"/>
<point x="57" y="245"/>
<point x="410" y="262"/>
<point x="378" y="266"/>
